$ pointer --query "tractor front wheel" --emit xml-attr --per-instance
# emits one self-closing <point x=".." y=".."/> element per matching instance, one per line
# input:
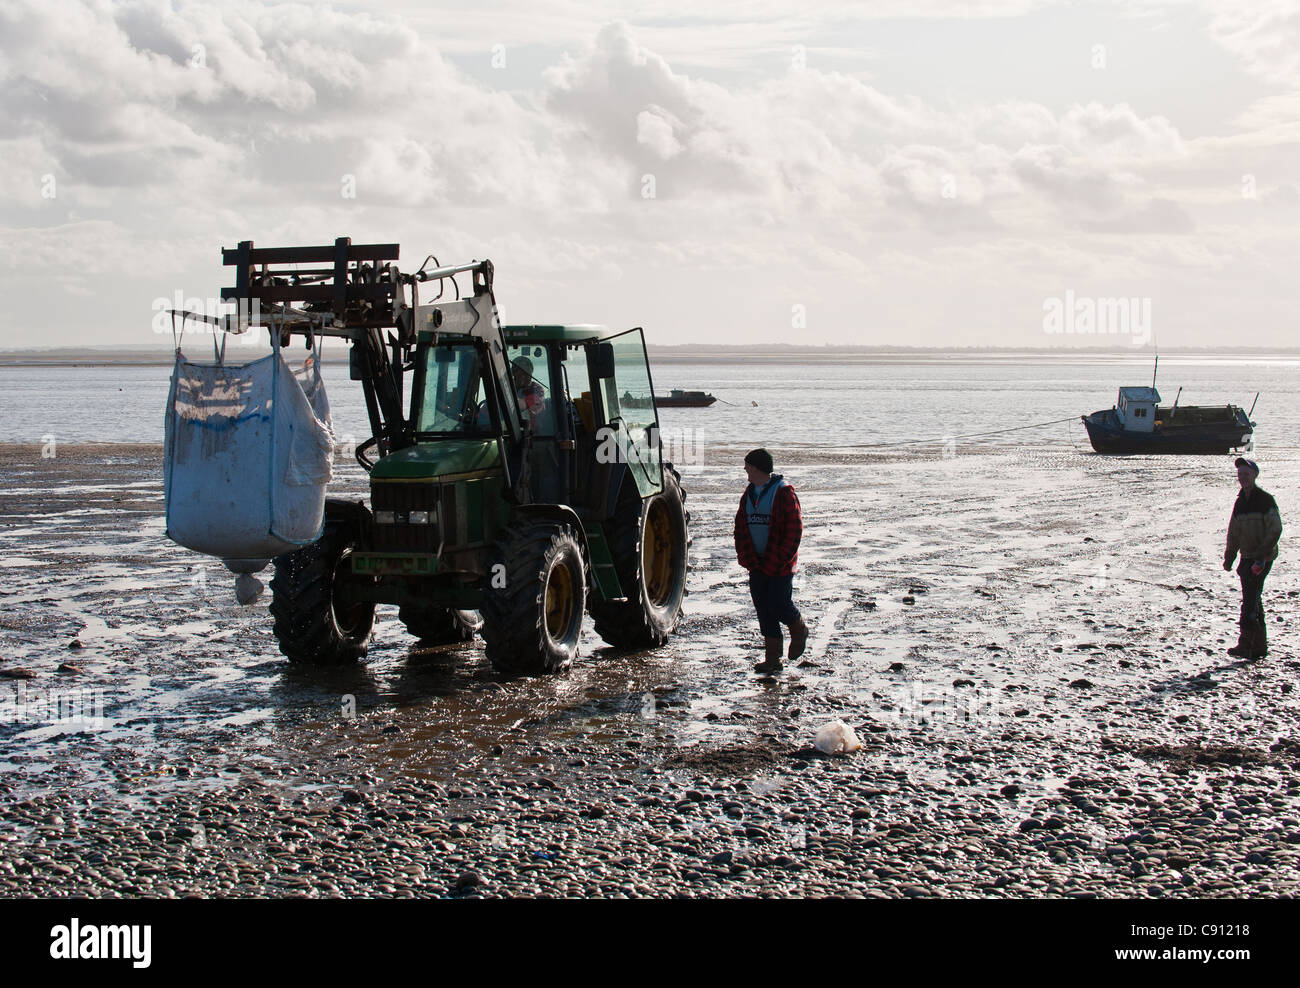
<point x="534" y="594"/>
<point x="317" y="621"/>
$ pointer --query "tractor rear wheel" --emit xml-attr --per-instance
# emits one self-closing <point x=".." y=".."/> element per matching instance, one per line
<point x="440" y="625"/>
<point x="316" y="621"/>
<point x="650" y="541"/>
<point x="534" y="592"/>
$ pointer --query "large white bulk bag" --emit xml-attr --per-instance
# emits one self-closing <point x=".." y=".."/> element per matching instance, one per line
<point x="248" y="455"/>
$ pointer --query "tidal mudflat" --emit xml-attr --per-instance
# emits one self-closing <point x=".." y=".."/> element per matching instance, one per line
<point x="1030" y="643"/>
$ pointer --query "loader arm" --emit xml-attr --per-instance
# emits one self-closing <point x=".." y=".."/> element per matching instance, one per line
<point x="356" y="292"/>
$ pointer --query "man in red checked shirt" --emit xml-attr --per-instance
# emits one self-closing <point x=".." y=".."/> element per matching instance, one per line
<point x="527" y="391"/>
<point x="769" y="526"/>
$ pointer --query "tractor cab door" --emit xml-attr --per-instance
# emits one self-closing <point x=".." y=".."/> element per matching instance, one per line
<point x="538" y="388"/>
<point x="623" y="398"/>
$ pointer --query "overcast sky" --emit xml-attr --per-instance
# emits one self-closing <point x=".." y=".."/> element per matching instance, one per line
<point x="898" y="173"/>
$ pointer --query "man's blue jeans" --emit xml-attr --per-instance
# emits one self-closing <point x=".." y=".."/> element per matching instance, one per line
<point x="772" y="601"/>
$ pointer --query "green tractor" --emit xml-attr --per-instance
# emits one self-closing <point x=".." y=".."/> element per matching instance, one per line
<point x="519" y="486"/>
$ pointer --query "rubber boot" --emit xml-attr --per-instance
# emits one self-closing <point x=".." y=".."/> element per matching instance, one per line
<point x="1259" y="642"/>
<point x="1242" y="650"/>
<point x="773" y="661"/>
<point x="798" y="639"/>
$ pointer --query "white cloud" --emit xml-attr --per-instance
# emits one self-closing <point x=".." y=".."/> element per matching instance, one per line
<point x="161" y="148"/>
<point x="654" y="129"/>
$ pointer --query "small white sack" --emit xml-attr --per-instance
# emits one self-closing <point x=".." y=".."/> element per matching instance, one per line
<point x="836" y="738"/>
<point x="248" y="588"/>
<point x="247" y="459"/>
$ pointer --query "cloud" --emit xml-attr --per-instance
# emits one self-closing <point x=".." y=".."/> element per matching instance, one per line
<point x="1263" y="36"/>
<point x="1066" y="179"/>
<point x="1154" y="216"/>
<point x="654" y="129"/>
<point x="1096" y="129"/>
<point x="191" y="125"/>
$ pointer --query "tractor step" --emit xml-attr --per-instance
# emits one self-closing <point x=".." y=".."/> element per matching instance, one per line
<point x="602" y="563"/>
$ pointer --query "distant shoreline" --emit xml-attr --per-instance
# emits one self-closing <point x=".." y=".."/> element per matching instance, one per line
<point x="706" y="354"/>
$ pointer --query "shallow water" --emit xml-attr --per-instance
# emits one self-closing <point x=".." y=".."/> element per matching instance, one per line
<point x="808" y="404"/>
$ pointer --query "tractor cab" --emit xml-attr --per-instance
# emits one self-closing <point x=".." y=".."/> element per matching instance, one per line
<point x="570" y="409"/>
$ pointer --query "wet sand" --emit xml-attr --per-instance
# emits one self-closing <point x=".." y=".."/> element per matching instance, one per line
<point x="1030" y="643"/>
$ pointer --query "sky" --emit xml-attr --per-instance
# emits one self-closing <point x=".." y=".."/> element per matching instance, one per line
<point x="926" y="173"/>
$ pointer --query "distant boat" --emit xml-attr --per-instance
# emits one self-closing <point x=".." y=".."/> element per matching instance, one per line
<point x="1137" y="424"/>
<point x="676" y="398"/>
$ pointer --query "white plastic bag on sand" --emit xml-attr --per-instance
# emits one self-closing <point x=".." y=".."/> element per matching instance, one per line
<point x="248" y="455"/>
<point x="836" y="738"/>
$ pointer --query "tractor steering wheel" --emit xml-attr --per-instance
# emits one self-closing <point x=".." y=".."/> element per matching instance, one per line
<point x="470" y="418"/>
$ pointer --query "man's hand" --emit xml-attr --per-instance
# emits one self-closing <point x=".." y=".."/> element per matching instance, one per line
<point x="1227" y="563"/>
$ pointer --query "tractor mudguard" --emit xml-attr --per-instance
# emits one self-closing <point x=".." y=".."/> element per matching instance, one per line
<point x="601" y="577"/>
<point x="561" y="513"/>
<point x="354" y="513"/>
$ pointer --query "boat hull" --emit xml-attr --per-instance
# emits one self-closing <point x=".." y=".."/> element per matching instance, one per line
<point x="1231" y="433"/>
<point x="685" y="402"/>
<point x="691" y="399"/>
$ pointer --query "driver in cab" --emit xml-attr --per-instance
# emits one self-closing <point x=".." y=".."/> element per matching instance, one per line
<point x="528" y="392"/>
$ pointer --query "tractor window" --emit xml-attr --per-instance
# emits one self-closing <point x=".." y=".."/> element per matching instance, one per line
<point x="629" y="395"/>
<point x="530" y="371"/>
<point x="629" y="403"/>
<point x="454" y="398"/>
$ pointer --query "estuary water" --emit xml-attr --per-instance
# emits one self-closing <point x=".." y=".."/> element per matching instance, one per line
<point x="784" y="404"/>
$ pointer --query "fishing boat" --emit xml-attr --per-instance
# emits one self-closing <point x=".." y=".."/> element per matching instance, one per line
<point x="676" y="398"/>
<point x="1138" y="424"/>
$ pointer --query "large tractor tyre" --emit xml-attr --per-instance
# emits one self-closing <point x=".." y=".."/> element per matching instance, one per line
<point x="534" y="593"/>
<point x="313" y="623"/>
<point x="650" y="541"/>
<point x="440" y="625"/>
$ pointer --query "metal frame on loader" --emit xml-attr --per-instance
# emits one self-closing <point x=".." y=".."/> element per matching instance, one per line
<point x="505" y="499"/>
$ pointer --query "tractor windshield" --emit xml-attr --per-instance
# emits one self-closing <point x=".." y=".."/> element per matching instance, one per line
<point x="454" y="398"/>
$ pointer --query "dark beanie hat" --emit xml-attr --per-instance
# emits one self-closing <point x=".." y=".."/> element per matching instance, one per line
<point x="760" y="459"/>
<point x="1248" y="464"/>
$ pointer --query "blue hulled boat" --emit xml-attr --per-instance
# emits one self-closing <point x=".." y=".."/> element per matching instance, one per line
<point x="1137" y="424"/>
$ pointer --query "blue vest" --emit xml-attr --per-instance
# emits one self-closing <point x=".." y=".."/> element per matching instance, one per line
<point x="758" y="511"/>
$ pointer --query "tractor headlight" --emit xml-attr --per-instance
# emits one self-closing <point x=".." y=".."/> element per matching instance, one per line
<point x="384" y="518"/>
<point x="419" y="517"/>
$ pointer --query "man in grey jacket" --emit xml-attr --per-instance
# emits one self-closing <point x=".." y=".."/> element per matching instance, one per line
<point x="1253" y="531"/>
